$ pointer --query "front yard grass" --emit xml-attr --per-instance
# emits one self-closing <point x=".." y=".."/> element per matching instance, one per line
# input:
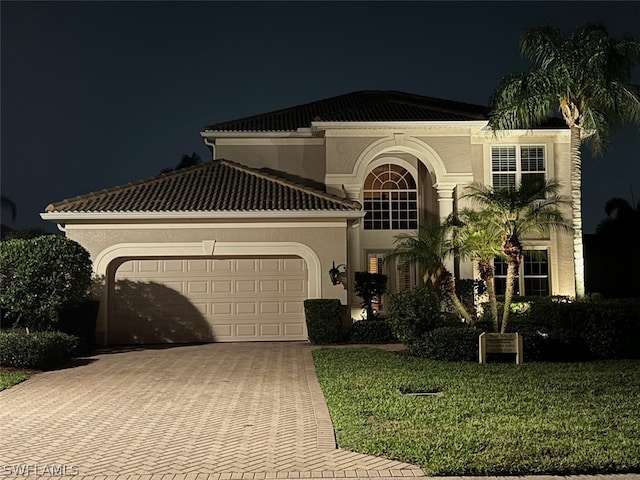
<point x="9" y="377"/>
<point x="495" y="419"/>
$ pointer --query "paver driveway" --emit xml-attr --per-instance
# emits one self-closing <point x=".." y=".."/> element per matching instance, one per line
<point x="216" y="411"/>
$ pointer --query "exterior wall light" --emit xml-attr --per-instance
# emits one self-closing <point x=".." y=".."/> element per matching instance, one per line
<point x="335" y="273"/>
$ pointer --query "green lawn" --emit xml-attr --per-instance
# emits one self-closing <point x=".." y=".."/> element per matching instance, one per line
<point x="490" y="419"/>
<point x="9" y="378"/>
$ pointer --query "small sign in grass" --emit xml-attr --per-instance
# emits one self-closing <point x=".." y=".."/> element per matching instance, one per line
<point x="494" y="419"/>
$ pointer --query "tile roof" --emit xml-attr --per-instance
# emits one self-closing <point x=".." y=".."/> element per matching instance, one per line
<point x="362" y="106"/>
<point x="215" y="186"/>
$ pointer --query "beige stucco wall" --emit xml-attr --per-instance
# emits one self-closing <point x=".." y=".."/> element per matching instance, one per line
<point x="302" y="157"/>
<point x="327" y="240"/>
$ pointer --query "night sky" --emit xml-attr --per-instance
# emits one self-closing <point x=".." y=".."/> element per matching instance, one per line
<point x="99" y="94"/>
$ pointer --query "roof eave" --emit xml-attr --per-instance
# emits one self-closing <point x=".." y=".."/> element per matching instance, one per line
<point x="66" y="217"/>
<point x="300" y="133"/>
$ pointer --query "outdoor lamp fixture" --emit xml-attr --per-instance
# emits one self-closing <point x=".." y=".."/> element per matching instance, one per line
<point x="335" y="272"/>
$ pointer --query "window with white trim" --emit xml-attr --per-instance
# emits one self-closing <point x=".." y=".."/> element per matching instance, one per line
<point x="390" y="199"/>
<point x="511" y="165"/>
<point x="535" y="278"/>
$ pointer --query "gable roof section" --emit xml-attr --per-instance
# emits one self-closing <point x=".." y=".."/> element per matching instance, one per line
<point x="362" y="106"/>
<point x="216" y="186"/>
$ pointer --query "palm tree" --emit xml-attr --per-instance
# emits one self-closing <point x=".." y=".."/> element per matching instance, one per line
<point x="531" y="207"/>
<point x="623" y="220"/>
<point x="9" y="205"/>
<point x="429" y="247"/>
<point x="476" y="238"/>
<point x="585" y="76"/>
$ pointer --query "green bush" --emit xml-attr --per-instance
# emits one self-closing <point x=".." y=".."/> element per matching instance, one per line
<point x="413" y="313"/>
<point x="324" y="321"/>
<point x="40" y="277"/>
<point x="371" y="331"/>
<point x="451" y="344"/>
<point x="35" y="350"/>
<point x="604" y="329"/>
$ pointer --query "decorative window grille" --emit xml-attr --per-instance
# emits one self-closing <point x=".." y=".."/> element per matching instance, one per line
<point x="390" y="199"/>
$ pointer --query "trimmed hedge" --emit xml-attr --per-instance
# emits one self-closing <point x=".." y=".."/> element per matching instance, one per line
<point x="450" y="344"/>
<point x="324" y="321"/>
<point x="604" y="329"/>
<point x="371" y="331"/>
<point x="36" y="350"/>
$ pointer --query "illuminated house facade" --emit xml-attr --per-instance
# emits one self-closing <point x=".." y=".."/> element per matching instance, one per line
<point x="244" y="239"/>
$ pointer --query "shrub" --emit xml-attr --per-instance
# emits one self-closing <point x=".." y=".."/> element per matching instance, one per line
<point x="41" y="276"/>
<point x="603" y="329"/>
<point x="413" y="313"/>
<point x="323" y="317"/>
<point x="36" y="350"/>
<point x="369" y="286"/>
<point x="371" y="331"/>
<point x="451" y="344"/>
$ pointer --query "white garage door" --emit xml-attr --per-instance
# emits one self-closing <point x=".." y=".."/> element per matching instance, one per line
<point x="197" y="300"/>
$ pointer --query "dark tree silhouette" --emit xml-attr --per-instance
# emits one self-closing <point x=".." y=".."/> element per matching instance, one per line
<point x="185" y="161"/>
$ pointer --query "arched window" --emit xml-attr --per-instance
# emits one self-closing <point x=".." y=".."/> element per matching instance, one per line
<point x="390" y="199"/>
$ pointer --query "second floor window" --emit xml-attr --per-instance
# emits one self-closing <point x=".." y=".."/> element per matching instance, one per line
<point x="390" y="199"/>
<point x="511" y="165"/>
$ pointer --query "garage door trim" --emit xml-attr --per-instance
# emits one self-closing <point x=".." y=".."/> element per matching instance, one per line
<point x="207" y="248"/>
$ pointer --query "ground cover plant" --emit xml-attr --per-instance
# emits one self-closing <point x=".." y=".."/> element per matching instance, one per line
<point x="9" y="378"/>
<point x="495" y="419"/>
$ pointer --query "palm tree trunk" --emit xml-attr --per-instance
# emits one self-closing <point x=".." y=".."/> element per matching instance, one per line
<point x="576" y="210"/>
<point x="448" y="286"/>
<point x="512" y="268"/>
<point x="487" y="274"/>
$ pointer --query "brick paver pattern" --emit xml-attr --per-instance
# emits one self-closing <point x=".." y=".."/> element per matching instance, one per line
<point x="218" y="411"/>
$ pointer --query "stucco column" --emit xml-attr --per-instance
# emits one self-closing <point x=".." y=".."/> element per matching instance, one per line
<point x="354" y="249"/>
<point x="445" y="208"/>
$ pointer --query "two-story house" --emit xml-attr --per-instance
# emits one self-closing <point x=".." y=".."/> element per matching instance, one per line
<point x="228" y="250"/>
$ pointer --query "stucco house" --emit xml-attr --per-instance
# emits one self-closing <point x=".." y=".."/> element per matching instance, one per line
<point x="228" y="250"/>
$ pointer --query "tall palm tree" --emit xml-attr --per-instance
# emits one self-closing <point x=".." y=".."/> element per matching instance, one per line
<point x="429" y="247"/>
<point x="475" y="237"/>
<point x="531" y="207"/>
<point x="586" y="76"/>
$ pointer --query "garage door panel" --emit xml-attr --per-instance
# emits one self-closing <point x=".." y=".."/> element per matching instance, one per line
<point x="149" y="266"/>
<point x="270" y="308"/>
<point x="197" y="265"/>
<point x="293" y="330"/>
<point x="172" y="266"/>
<point x="270" y="286"/>
<point x="201" y="286"/>
<point x="294" y="285"/>
<point x="270" y="329"/>
<point x="294" y="265"/>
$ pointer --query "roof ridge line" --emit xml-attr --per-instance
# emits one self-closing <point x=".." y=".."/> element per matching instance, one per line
<point x="280" y="110"/>
<point x="289" y="183"/>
